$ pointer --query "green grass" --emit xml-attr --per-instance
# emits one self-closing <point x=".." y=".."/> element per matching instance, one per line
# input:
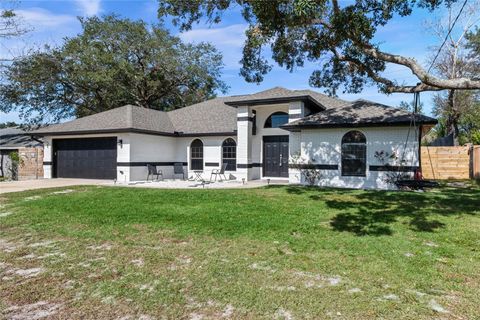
<point x="249" y="253"/>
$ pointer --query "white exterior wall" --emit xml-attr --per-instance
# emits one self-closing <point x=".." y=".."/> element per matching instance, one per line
<point x="136" y="149"/>
<point x="212" y="153"/>
<point x="323" y="146"/>
<point x="151" y="148"/>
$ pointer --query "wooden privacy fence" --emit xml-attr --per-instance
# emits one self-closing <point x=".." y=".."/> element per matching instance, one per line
<point x="476" y="162"/>
<point x="448" y="162"/>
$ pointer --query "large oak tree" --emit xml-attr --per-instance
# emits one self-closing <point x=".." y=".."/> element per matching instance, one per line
<point x="337" y="34"/>
<point x="112" y="62"/>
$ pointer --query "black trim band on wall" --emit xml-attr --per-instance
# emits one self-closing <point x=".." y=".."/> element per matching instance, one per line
<point x="144" y="164"/>
<point x="248" y="165"/>
<point x="245" y="119"/>
<point x="314" y="166"/>
<point x="212" y="164"/>
<point x="47" y="163"/>
<point x="394" y="168"/>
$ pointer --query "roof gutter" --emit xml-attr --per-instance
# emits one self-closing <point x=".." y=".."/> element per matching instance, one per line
<point x="134" y="130"/>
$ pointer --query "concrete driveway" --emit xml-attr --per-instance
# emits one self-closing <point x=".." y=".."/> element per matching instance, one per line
<point x="15" y="186"/>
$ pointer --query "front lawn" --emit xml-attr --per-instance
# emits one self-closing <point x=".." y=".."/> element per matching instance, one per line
<point x="276" y="252"/>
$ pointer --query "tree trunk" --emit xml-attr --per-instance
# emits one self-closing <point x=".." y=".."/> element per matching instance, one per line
<point x="452" y="117"/>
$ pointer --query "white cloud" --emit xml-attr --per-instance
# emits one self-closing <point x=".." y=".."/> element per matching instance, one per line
<point x="233" y="35"/>
<point x="41" y="19"/>
<point x="47" y="28"/>
<point x="89" y="7"/>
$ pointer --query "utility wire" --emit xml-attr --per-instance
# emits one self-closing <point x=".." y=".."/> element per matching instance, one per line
<point x="448" y="34"/>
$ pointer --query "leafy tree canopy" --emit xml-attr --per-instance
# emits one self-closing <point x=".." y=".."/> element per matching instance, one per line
<point x="112" y="62"/>
<point x="338" y="34"/>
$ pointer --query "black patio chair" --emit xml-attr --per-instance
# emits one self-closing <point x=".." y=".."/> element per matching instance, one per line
<point x="219" y="172"/>
<point x="178" y="169"/>
<point x="154" y="172"/>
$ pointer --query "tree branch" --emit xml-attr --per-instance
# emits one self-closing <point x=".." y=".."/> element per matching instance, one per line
<point x="428" y="80"/>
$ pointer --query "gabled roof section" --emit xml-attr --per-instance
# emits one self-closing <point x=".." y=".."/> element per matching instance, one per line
<point x="357" y="114"/>
<point x="314" y="100"/>
<point x="126" y="118"/>
<point x="208" y="117"/>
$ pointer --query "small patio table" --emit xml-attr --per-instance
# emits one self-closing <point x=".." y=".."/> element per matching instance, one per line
<point x="198" y="175"/>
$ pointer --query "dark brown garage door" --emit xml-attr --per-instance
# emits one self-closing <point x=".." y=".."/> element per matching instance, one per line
<point x="89" y="158"/>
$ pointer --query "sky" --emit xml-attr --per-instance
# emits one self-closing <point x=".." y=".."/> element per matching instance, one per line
<point x="51" y="21"/>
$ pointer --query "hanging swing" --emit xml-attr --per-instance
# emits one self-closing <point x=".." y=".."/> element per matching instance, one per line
<point x="417" y="182"/>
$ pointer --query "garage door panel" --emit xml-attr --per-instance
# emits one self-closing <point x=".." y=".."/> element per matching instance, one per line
<point x="91" y="158"/>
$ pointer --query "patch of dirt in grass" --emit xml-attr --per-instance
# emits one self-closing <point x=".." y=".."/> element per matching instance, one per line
<point x="283" y="314"/>
<point x="29" y="256"/>
<point x="430" y="244"/>
<point x="8" y="246"/>
<point x="52" y="254"/>
<point x="262" y="267"/>
<point x="228" y="311"/>
<point x="64" y="191"/>
<point x="355" y="290"/>
<point x="5" y="214"/>
<point x="104" y="246"/>
<point x="313" y="280"/>
<point x="47" y="243"/>
<point x="389" y="297"/>
<point x="31" y="198"/>
<point x="138" y="262"/>
<point x="435" y="306"/>
<point x="26" y="273"/>
<point x="33" y="311"/>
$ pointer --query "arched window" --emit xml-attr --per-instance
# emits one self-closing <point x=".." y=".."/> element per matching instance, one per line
<point x="196" y="155"/>
<point x="354" y="154"/>
<point x="229" y="154"/>
<point x="276" y="120"/>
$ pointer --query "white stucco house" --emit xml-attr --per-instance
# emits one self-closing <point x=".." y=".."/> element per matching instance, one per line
<point x="256" y="136"/>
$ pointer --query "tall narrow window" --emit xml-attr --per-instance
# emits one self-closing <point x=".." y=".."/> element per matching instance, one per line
<point x="229" y="154"/>
<point x="196" y="155"/>
<point x="276" y="120"/>
<point x="354" y="154"/>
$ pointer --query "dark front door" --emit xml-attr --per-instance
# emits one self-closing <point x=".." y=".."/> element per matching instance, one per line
<point x="90" y="158"/>
<point x="275" y="156"/>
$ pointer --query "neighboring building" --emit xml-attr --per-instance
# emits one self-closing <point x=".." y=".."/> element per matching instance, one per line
<point x="257" y="136"/>
<point x="21" y="156"/>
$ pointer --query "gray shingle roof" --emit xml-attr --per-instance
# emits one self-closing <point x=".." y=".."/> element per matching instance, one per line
<point x="16" y="138"/>
<point x="359" y="113"/>
<point x="282" y="94"/>
<point x="218" y="115"/>
<point x="118" y="119"/>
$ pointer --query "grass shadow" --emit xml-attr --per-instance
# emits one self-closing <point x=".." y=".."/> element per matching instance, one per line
<point x="372" y="212"/>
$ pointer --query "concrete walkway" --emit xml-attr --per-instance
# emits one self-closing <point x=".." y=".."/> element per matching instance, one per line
<point x="189" y="184"/>
<point x="15" y="186"/>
